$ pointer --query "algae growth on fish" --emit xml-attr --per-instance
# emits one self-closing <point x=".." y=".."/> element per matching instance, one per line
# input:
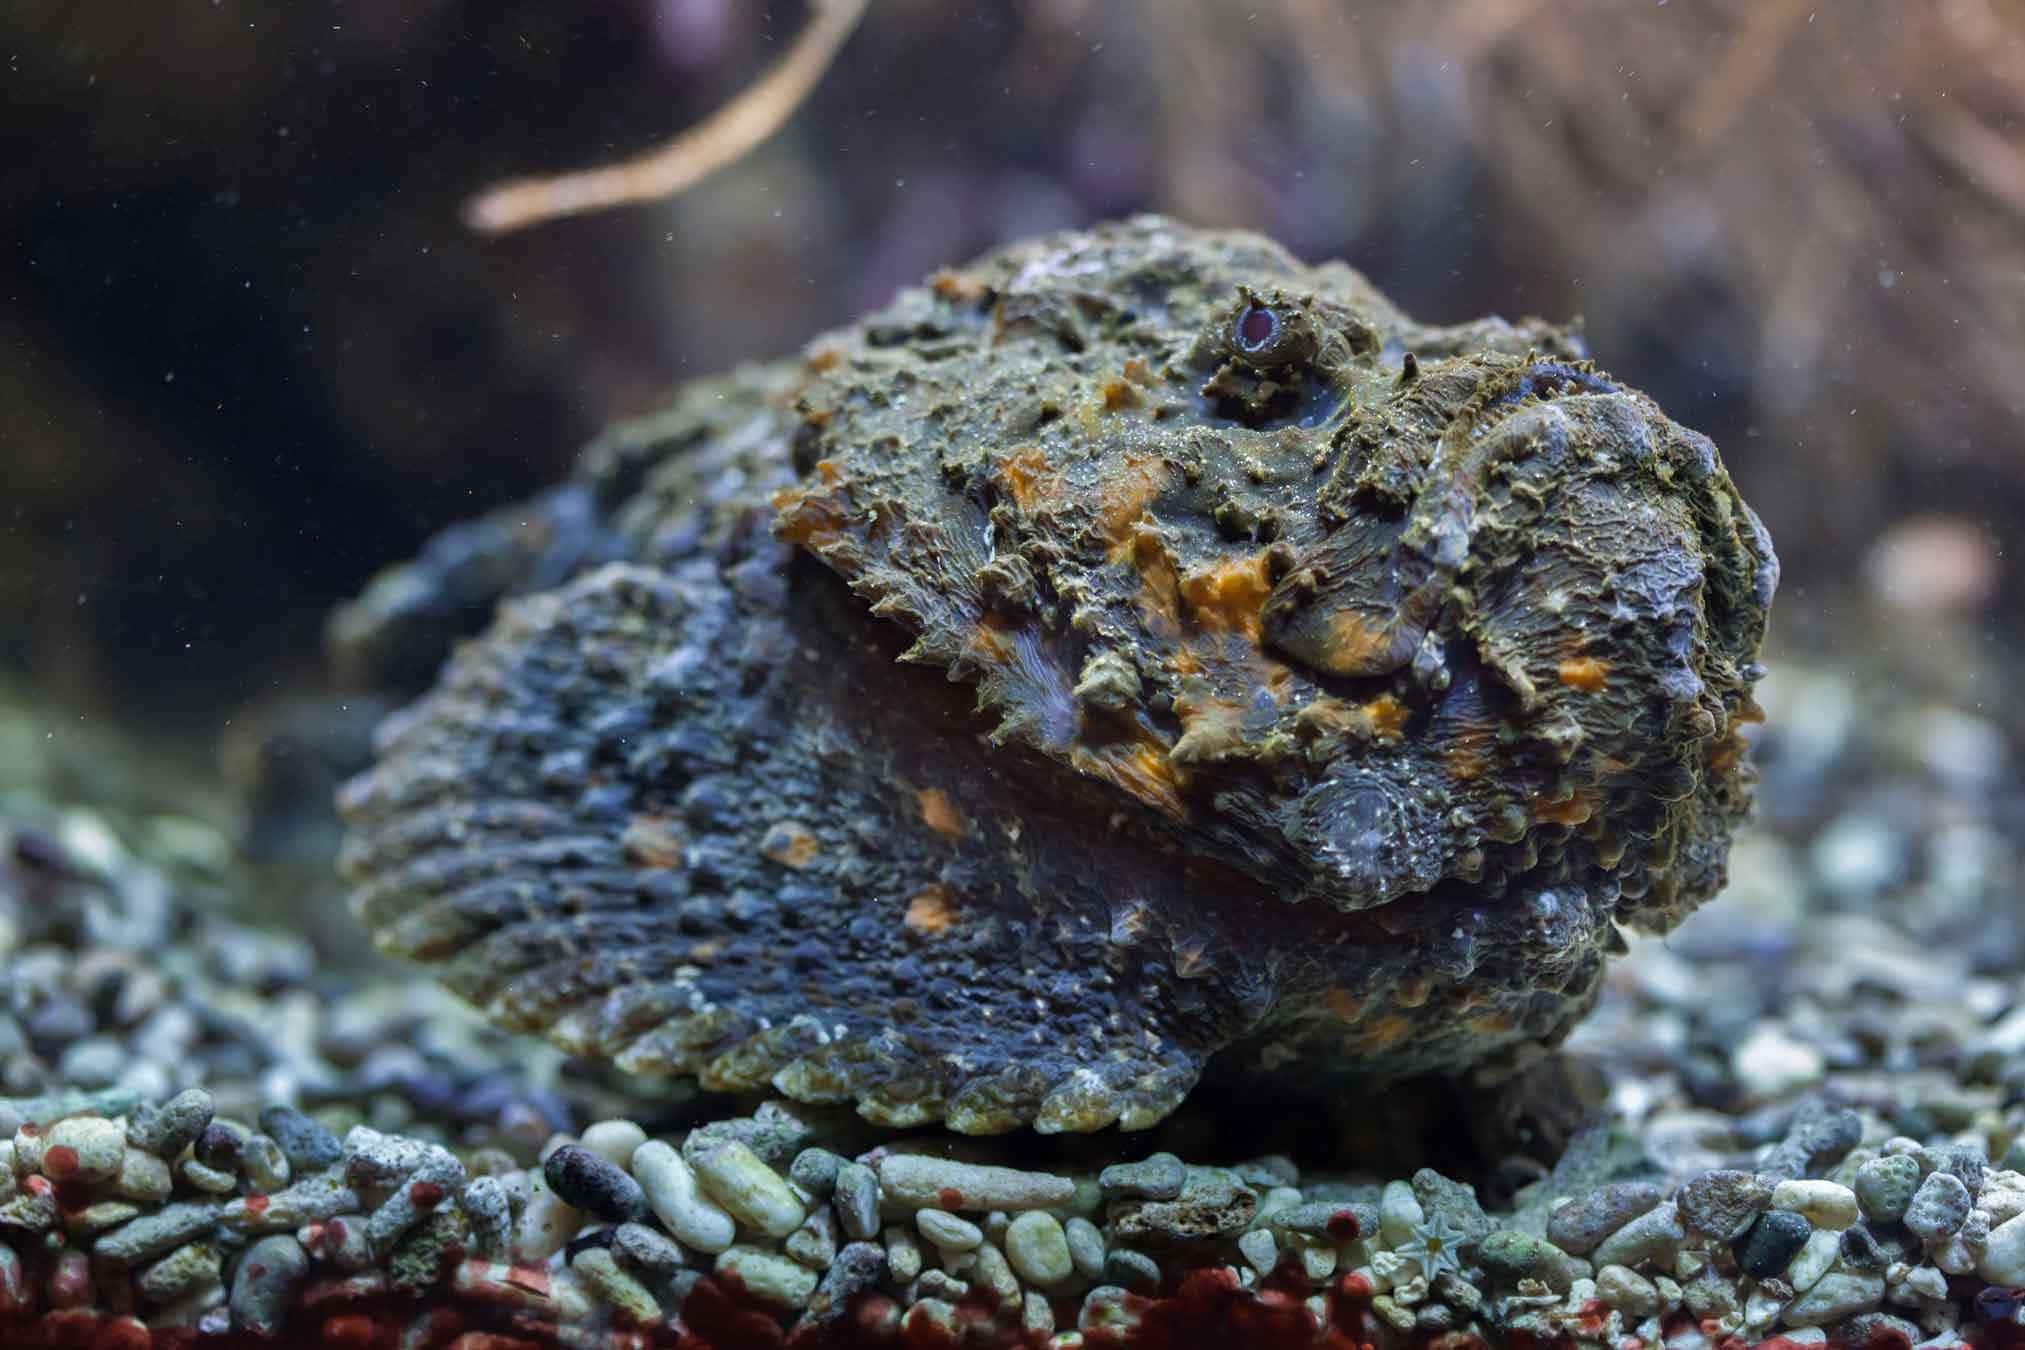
<point x="1131" y="655"/>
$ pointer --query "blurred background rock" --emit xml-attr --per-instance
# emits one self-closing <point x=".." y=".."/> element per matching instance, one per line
<point x="251" y="354"/>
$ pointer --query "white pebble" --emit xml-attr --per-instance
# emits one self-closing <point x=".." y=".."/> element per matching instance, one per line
<point x="1628" y="1291"/>
<point x="99" y="1144"/>
<point x="2004" y="1254"/>
<point x="1318" y="1263"/>
<point x="1038" y="1248"/>
<point x="1771" y="1062"/>
<point x="209" y="1179"/>
<point x="903" y="1254"/>
<point x="1259" y="1250"/>
<point x="142" y="1177"/>
<point x="995" y="1273"/>
<point x="1086" y="1247"/>
<point x="1399" y="1213"/>
<point x="1836" y="1297"/>
<point x="1825" y="1204"/>
<point x="546" y="1224"/>
<point x="614" y="1140"/>
<point x="1814" y="1259"/>
<point x="947" y="1231"/>
<point x="694" y="1219"/>
<point x="739" y="1179"/>
<point x="768" y="1275"/>
<point x="919" y="1181"/>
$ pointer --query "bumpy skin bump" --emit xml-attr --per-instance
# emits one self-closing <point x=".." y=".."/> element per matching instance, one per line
<point x="1131" y="648"/>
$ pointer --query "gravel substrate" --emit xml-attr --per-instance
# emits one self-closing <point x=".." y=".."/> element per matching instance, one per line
<point x="177" y="1217"/>
<point x="1814" y="1132"/>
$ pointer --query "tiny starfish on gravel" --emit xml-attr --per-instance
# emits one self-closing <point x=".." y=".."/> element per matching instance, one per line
<point x="1435" y="1245"/>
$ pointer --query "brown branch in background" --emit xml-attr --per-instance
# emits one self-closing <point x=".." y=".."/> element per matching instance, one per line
<point x="722" y="138"/>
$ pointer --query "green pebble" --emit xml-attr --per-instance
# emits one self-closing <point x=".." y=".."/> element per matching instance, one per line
<point x="1038" y="1248"/>
<point x="768" y="1276"/>
<point x="189" y="1268"/>
<point x="1884" y="1186"/>
<point x="1508" y="1256"/>
<point x="597" y="1269"/>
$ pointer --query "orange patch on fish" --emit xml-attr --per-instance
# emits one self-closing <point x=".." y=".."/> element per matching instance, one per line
<point x="1123" y="498"/>
<point x="940" y="814"/>
<point x="1575" y="811"/>
<point x="1356" y="645"/>
<point x="1159" y="582"/>
<point x="1141" y="768"/>
<point x="1724" y="752"/>
<point x="1210" y="728"/>
<point x="1585" y="673"/>
<point x="989" y="642"/>
<point x="814" y="516"/>
<point x="1381" y="719"/>
<point x="1027" y="479"/>
<point x="1229" y="597"/>
<point x="1387" y="715"/>
<point x="1471" y="752"/>
<point x="790" y="844"/>
<point x="931" y="911"/>
<point x="1119" y="396"/>
<point x="652" y="841"/>
<point x="1384" y="1033"/>
<point x="956" y="287"/>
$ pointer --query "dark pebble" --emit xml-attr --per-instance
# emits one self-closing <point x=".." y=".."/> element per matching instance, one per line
<point x="168" y="1129"/>
<point x="220" y="1146"/>
<point x="583" y="1242"/>
<point x="37" y="851"/>
<point x="1869" y="1248"/>
<point x="60" y="1020"/>
<point x="1577" y="1228"/>
<point x="432" y="1094"/>
<point x="491" y="1099"/>
<point x="1157" y="1178"/>
<point x="1964" y="1164"/>
<point x="1913" y="1120"/>
<point x="482" y="1099"/>
<point x="1819" y="1137"/>
<point x="815" y="1171"/>
<point x="1722" y="1204"/>
<point x="652" y="1252"/>
<point x="593" y="1185"/>
<point x="306" y="1144"/>
<point x="1878" y="1328"/>
<point x="1997" y="1306"/>
<point x="1774" y="1240"/>
<point x="856" y="1269"/>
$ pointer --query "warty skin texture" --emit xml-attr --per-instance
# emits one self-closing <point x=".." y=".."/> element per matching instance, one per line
<point x="1133" y="647"/>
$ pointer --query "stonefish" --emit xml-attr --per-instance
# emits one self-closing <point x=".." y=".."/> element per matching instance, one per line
<point x="1133" y="654"/>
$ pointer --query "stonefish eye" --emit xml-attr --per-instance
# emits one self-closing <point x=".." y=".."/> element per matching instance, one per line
<point x="1256" y="329"/>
